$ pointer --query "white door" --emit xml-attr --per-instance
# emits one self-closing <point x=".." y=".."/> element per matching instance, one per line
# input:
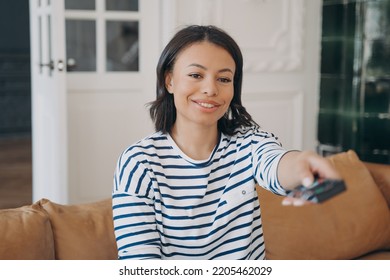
<point x="85" y="114"/>
<point x="49" y="103"/>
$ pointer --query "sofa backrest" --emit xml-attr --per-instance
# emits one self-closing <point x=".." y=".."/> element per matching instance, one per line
<point x="47" y="231"/>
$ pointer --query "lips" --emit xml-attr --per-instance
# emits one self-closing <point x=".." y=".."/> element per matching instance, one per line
<point x="207" y="104"/>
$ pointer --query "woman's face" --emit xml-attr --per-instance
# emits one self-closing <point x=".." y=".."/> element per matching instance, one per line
<point x="202" y="84"/>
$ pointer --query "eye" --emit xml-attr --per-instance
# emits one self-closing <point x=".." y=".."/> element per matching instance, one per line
<point x="195" y="75"/>
<point x="225" y="80"/>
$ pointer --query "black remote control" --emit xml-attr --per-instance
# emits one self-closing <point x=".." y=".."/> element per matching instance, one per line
<point x="320" y="191"/>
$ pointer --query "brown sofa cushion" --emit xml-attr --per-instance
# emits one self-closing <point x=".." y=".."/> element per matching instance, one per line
<point x="25" y="234"/>
<point x="83" y="231"/>
<point x="348" y="226"/>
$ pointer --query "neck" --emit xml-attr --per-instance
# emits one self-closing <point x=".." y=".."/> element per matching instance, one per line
<point x="196" y="142"/>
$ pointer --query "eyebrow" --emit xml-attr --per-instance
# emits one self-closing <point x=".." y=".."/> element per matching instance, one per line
<point x="205" y="68"/>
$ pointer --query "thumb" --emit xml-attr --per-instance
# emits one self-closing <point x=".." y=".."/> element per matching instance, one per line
<point x="308" y="180"/>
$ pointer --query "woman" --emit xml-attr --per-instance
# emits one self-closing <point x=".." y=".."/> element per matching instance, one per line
<point x="188" y="190"/>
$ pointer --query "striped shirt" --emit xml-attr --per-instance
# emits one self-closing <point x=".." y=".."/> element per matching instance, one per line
<point x="169" y="206"/>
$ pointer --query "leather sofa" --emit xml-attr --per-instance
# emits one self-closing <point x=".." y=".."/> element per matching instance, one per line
<point x="353" y="225"/>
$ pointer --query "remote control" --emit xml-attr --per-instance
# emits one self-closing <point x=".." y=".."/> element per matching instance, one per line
<point x="320" y="191"/>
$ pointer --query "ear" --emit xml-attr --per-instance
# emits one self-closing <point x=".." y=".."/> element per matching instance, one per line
<point x="169" y="82"/>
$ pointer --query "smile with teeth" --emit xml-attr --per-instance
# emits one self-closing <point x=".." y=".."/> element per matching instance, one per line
<point x="206" y="105"/>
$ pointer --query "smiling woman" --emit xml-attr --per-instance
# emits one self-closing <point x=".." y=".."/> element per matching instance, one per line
<point x="188" y="191"/>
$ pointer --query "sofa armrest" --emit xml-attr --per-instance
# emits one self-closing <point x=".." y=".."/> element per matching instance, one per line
<point x="26" y="234"/>
<point x="381" y="175"/>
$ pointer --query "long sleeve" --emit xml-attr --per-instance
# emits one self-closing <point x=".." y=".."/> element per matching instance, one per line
<point x="133" y="211"/>
<point x="266" y="153"/>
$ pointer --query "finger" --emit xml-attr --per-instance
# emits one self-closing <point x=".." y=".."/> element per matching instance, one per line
<point x="289" y="201"/>
<point x="323" y="168"/>
<point x="308" y="180"/>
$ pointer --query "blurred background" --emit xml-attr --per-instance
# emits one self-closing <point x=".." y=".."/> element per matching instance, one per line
<point x="15" y="105"/>
<point x="355" y="79"/>
<point x="75" y="77"/>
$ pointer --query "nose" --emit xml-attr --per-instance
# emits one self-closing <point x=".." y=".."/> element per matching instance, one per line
<point x="210" y="88"/>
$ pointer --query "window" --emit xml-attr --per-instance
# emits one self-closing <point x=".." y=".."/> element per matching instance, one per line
<point x="102" y="35"/>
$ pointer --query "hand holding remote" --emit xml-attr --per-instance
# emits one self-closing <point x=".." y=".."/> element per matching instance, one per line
<point x="320" y="191"/>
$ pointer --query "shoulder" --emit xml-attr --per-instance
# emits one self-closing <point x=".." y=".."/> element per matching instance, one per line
<point x="251" y="138"/>
<point x="146" y="146"/>
<point x="154" y="140"/>
<point x="252" y="132"/>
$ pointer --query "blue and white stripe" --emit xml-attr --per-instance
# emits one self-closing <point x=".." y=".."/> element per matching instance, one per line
<point x="168" y="206"/>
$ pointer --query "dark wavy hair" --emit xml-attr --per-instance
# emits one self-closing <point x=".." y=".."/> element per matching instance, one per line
<point x="163" y="111"/>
